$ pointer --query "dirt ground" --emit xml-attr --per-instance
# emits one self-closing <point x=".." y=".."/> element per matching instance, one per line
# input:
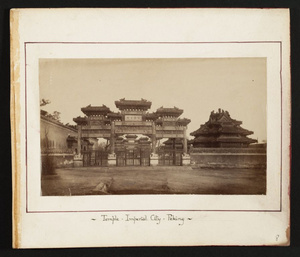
<point x="153" y="180"/>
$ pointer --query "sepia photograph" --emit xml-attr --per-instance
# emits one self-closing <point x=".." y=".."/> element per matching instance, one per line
<point x="153" y="126"/>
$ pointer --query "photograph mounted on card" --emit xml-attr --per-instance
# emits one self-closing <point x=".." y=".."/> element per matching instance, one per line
<point x="135" y="131"/>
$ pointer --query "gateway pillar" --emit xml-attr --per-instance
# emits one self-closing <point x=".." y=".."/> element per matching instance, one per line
<point x="186" y="159"/>
<point x="112" y="158"/>
<point x="153" y="156"/>
<point x="78" y="160"/>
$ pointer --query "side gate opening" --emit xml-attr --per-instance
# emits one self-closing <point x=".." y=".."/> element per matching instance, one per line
<point x="95" y="158"/>
<point x="170" y="157"/>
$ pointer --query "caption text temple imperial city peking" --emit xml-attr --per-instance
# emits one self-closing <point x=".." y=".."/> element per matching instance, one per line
<point x="132" y="137"/>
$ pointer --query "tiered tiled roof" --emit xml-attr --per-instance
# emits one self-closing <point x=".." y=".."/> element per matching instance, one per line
<point x="135" y="110"/>
<point x="221" y="131"/>
<point x="150" y="116"/>
<point x="95" y="110"/>
<point x="80" y="120"/>
<point x="174" y="112"/>
<point x="142" y="104"/>
<point x="132" y="136"/>
<point x="114" y="116"/>
<point x="183" y="122"/>
<point x="201" y="139"/>
<point x="72" y="138"/>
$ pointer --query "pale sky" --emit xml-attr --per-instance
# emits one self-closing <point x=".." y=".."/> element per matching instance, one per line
<point x="195" y="85"/>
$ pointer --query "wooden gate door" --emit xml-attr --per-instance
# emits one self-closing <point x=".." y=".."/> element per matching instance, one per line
<point x="121" y="158"/>
<point x="170" y="157"/>
<point x="145" y="157"/>
<point x="133" y="157"/>
<point x="95" y="158"/>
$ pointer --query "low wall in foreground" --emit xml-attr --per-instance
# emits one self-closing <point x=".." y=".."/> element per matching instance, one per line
<point x="240" y="158"/>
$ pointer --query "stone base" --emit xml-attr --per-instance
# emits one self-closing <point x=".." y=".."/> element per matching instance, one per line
<point x="186" y="159"/>
<point x="153" y="159"/>
<point x="229" y="158"/>
<point x="78" y="161"/>
<point x="112" y="160"/>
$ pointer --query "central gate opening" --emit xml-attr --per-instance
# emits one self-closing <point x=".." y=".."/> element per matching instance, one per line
<point x="131" y="151"/>
<point x="133" y="157"/>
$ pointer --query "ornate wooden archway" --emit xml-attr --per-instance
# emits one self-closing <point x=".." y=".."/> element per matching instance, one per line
<point x="133" y="118"/>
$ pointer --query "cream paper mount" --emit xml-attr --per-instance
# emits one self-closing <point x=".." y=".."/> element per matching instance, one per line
<point x="141" y="127"/>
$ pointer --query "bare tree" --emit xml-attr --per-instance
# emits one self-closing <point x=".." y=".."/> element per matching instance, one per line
<point x="56" y="115"/>
<point x="44" y="102"/>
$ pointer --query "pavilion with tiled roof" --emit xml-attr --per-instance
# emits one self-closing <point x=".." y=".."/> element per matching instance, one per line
<point x="221" y="131"/>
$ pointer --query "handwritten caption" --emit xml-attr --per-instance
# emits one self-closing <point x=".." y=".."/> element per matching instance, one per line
<point x="153" y="218"/>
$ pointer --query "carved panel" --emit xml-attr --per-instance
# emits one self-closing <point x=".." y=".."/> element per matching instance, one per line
<point x="133" y="130"/>
<point x="168" y="135"/>
<point x="95" y="135"/>
<point x="133" y="117"/>
<point x="170" y="128"/>
<point x="133" y="123"/>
